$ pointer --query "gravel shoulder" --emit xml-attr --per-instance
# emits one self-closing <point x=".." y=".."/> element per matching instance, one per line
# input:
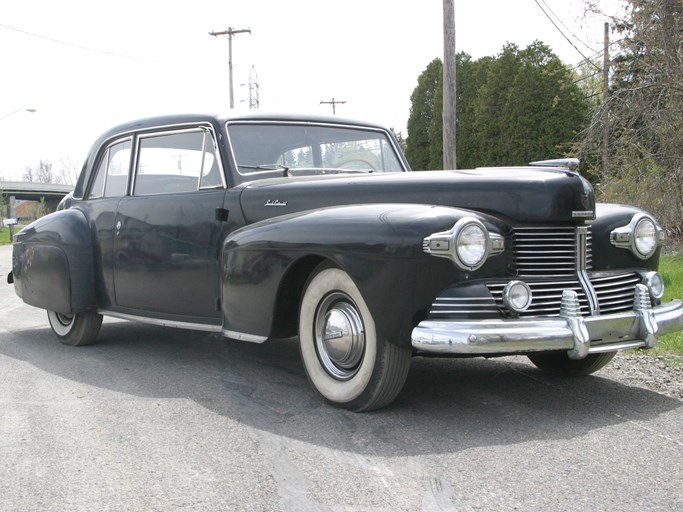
<point x="660" y="373"/>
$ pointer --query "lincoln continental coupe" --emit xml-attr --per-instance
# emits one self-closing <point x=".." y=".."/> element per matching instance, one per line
<point x="272" y="227"/>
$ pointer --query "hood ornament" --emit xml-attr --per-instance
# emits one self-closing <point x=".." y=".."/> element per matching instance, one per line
<point x="568" y="163"/>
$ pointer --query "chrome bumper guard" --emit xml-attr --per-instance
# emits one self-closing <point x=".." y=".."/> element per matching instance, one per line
<point x="579" y="336"/>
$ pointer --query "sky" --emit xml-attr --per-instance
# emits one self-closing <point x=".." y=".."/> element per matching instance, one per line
<point x="88" y="65"/>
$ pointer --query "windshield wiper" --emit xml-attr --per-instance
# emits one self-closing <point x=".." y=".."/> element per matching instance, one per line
<point x="305" y="171"/>
<point x="266" y="167"/>
<point x="327" y="170"/>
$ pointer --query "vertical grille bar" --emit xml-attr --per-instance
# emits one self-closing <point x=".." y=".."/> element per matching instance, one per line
<point x="582" y="266"/>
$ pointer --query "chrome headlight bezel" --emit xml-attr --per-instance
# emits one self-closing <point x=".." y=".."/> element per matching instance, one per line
<point x="452" y="244"/>
<point x="627" y="237"/>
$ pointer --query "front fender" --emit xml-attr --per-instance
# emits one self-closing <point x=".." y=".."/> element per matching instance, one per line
<point x="379" y="246"/>
<point x="52" y="263"/>
<point x="605" y="255"/>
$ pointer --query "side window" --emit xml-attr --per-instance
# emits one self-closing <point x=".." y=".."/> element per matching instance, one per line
<point x="111" y="178"/>
<point x="212" y="175"/>
<point x="177" y="162"/>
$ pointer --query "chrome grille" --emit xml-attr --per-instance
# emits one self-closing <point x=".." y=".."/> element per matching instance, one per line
<point x="546" y="259"/>
<point x="615" y="292"/>
<point x="547" y="251"/>
<point x="547" y="296"/>
<point x="447" y="307"/>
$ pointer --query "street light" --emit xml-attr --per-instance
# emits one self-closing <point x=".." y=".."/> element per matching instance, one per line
<point x="17" y="111"/>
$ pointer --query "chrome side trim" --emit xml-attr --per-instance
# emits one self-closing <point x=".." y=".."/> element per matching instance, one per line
<point x="242" y="336"/>
<point x="606" y="333"/>
<point x="163" y="323"/>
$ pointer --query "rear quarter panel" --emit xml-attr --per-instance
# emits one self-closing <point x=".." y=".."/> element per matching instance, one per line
<point x="52" y="263"/>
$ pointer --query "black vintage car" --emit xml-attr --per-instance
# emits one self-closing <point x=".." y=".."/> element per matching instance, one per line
<point x="268" y="227"/>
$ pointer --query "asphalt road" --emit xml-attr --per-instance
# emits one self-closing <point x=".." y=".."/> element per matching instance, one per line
<point x="160" y="419"/>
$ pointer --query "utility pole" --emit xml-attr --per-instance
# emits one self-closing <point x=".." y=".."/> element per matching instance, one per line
<point x="334" y="104"/>
<point x="230" y="32"/>
<point x="604" y="150"/>
<point x="253" y="89"/>
<point x="449" y="92"/>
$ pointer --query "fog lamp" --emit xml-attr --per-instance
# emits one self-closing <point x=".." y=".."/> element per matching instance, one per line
<point x="655" y="284"/>
<point x="517" y="296"/>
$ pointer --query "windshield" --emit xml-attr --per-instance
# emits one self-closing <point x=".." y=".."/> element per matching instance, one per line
<point x="323" y="148"/>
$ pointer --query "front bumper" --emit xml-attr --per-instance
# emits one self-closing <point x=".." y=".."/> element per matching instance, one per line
<point x="577" y="335"/>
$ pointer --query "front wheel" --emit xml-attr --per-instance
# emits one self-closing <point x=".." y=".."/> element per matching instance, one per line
<point x="559" y="363"/>
<point x="76" y="329"/>
<point x="346" y="359"/>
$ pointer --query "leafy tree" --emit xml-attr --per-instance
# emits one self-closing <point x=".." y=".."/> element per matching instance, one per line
<point x="399" y="137"/>
<point x="520" y="106"/>
<point x="470" y="77"/>
<point x="421" y="111"/>
<point x="41" y="174"/>
<point x="645" y="111"/>
<point x="435" y="131"/>
<point x="545" y="110"/>
<point x="490" y="106"/>
<point x="3" y="205"/>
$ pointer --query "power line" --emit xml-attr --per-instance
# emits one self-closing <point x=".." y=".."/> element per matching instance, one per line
<point x="563" y="34"/>
<point x="567" y="28"/>
<point x="81" y="47"/>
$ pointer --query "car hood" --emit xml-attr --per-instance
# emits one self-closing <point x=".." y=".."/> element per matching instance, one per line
<point x="520" y="194"/>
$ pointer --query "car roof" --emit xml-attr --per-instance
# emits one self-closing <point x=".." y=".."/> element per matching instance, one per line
<point x="175" y="119"/>
<point x="170" y="120"/>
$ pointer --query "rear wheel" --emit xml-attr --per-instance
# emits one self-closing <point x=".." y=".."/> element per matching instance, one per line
<point x="346" y="359"/>
<point x="559" y="363"/>
<point x="76" y="329"/>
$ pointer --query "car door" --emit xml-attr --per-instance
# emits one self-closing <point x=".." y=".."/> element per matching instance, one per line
<point x="109" y="184"/>
<point x="167" y="234"/>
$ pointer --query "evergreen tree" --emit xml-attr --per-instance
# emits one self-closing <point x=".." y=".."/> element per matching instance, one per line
<point x="490" y="106"/>
<point x="421" y="112"/>
<point x="520" y="106"/>
<point x="470" y="77"/>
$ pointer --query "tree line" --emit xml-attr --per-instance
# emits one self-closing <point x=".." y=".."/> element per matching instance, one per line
<point x="519" y="106"/>
<point x="525" y="104"/>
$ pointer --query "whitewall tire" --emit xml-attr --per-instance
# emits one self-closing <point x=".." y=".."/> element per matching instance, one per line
<point x="346" y="359"/>
<point x="75" y="329"/>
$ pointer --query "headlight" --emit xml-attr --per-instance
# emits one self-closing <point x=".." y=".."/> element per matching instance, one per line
<point x="468" y="244"/>
<point x="471" y="244"/>
<point x="645" y="240"/>
<point x="642" y="236"/>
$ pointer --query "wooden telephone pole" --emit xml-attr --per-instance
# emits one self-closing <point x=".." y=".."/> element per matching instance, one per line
<point x="449" y="92"/>
<point x="334" y="104"/>
<point x="230" y="32"/>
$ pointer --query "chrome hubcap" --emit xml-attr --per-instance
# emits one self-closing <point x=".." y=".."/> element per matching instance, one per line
<point x="339" y="336"/>
<point x="65" y="319"/>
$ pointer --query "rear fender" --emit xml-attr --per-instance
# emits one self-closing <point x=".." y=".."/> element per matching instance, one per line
<point x="52" y="263"/>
